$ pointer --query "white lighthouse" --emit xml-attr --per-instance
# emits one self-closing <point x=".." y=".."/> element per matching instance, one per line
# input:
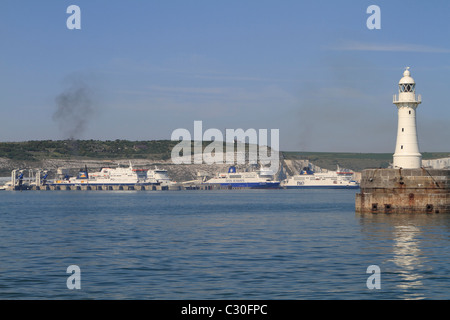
<point x="407" y="155"/>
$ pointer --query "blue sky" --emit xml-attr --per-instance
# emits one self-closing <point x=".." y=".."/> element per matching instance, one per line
<point x="311" y="69"/>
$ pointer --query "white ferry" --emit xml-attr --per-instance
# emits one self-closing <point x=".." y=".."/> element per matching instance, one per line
<point x="260" y="179"/>
<point x="331" y="179"/>
<point x="107" y="176"/>
<point x="159" y="176"/>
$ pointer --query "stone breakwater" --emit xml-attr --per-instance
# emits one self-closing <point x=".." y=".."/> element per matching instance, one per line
<point x="404" y="191"/>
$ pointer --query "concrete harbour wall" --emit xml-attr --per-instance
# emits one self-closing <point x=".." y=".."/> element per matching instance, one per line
<point x="404" y="191"/>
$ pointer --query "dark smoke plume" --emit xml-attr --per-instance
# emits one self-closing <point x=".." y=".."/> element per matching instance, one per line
<point x="74" y="108"/>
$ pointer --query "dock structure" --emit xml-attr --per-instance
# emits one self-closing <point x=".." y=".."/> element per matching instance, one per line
<point x="87" y="187"/>
<point x="37" y="181"/>
<point x="404" y="191"/>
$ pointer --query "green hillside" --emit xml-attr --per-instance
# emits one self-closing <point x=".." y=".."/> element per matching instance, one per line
<point x="86" y="149"/>
<point x="354" y="161"/>
<point x="91" y="149"/>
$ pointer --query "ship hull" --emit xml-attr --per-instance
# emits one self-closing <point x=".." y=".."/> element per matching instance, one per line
<point x="72" y="184"/>
<point x="249" y="185"/>
<point x="321" y="187"/>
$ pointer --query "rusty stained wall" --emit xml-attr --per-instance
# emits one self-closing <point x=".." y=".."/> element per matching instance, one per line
<point x="404" y="191"/>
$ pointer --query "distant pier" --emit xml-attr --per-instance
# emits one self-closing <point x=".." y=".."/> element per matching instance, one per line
<point x="100" y="187"/>
<point x="87" y="187"/>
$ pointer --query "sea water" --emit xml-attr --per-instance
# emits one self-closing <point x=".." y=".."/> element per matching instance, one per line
<point x="228" y="244"/>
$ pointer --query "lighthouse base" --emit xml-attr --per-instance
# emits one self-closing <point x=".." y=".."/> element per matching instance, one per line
<point x="408" y="161"/>
<point x="404" y="191"/>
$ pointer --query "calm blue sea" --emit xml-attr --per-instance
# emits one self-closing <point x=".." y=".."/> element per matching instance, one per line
<point x="230" y="244"/>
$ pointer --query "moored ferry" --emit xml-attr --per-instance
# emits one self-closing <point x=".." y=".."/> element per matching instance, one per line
<point x="260" y="179"/>
<point x="330" y="179"/>
<point x="158" y="176"/>
<point x="108" y="176"/>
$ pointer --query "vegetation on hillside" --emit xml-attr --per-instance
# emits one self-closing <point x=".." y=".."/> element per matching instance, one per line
<point x="91" y="149"/>
<point x="354" y="161"/>
<point x="88" y="149"/>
